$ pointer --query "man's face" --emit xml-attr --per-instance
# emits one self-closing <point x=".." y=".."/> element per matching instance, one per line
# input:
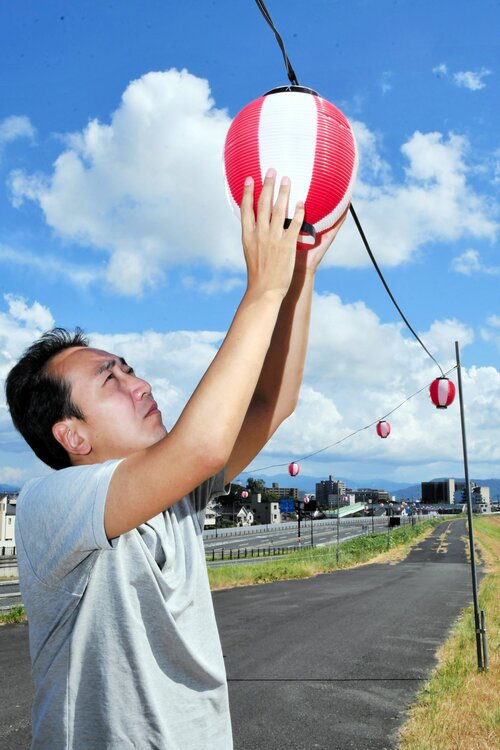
<point x="120" y="413"/>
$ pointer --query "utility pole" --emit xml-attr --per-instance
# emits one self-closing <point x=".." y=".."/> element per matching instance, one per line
<point x="479" y="621"/>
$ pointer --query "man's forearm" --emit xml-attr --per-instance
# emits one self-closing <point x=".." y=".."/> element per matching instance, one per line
<point x="281" y="377"/>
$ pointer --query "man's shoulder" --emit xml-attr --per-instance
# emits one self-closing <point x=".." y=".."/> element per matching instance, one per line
<point x="71" y="476"/>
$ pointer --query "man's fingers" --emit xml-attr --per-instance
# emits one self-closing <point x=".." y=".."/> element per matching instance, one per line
<point x="246" y="208"/>
<point x="265" y="206"/>
<point x="297" y="221"/>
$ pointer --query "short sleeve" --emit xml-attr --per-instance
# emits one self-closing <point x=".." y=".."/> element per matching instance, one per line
<point x="211" y="488"/>
<point x="60" y="518"/>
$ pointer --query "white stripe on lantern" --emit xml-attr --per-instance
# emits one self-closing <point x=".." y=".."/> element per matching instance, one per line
<point x="287" y="141"/>
<point x="443" y="392"/>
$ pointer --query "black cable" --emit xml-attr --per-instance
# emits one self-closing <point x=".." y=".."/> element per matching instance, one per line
<point x="290" y="71"/>
<point x="351" y="434"/>
<point x="293" y="80"/>
<point x="372" y="258"/>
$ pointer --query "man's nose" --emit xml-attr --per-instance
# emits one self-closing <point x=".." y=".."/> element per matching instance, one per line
<point x="140" y="388"/>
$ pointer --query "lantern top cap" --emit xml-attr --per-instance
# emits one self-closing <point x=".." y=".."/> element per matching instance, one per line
<point x="292" y="89"/>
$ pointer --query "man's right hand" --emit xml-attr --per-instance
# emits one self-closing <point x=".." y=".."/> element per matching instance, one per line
<point x="269" y="249"/>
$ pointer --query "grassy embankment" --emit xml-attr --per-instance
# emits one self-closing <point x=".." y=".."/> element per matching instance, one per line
<point x="382" y="547"/>
<point x="302" y="564"/>
<point x="458" y="709"/>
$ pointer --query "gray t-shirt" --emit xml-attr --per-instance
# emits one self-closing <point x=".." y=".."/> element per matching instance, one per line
<point x="123" y="639"/>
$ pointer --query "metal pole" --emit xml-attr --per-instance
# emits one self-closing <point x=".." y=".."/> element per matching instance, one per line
<point x="298" y="519"/>
<point x="338" y="524"/>
<point x="312" y="540"/>
<point x="469" y="516"/>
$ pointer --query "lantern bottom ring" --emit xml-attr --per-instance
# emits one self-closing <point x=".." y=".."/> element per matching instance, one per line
<point x="304" y="229"/>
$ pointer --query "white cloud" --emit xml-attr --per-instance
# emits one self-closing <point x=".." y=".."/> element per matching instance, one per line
<point x="358" y="370"/>
<point x="490" y="332"/>
<point x="435" y="202"/>
<point x="440" y="70"/>
<point x="386" y="84"/>
<point x="52" y="266"/>
<point x="472" y="80"/>
<point x="469" y="262"/>
<point x="10" y="474"/>
<point x="147" y="191"/>
<point x="14" y="127"/>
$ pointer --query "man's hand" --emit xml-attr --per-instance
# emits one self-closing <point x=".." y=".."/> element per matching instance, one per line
<point x="269" y="248"/>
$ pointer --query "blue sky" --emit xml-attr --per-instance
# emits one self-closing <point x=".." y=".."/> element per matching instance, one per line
<point x="113" y="213"/>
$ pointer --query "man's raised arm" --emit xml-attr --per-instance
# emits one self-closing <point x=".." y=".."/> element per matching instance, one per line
<point x="278" y="387"/>
<point x="202" y="440"/>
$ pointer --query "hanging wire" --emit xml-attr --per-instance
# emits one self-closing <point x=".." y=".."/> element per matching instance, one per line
<point x="293" y="79"/>
<point x="289" y="70"/>
<point x="351" y="434"/>
<point x="372" y="258"/>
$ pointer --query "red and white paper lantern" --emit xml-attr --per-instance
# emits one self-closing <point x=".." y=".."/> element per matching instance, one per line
<point x="442" y="392"/>
<point x="304" y="137"/>
<point x="383" y="428"/>
<point x="244" y="494"/>
<point x="293" y="469"/>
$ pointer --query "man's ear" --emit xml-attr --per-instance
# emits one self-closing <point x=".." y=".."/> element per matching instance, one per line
<point x="71" y="434"/>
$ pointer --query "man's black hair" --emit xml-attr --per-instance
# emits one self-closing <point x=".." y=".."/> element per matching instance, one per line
<point x="37" y="399"/>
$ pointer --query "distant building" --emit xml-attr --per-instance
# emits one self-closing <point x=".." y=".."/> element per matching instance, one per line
<point x="283" y="492"/>
<point x="8" y="519"/>
<point x="343" y="500"/>
<point x="264" y="511"/>
<point x="327" y="487"/>
<point x="439" y="491"/>
<point x="369" y="494"/>
<point x="481" y="501"/>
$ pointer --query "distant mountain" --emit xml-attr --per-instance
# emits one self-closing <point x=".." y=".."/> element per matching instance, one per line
<point x="8" y="488"/>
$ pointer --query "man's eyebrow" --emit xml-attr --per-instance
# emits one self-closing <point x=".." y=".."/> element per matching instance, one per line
<point x="108" y="364"/>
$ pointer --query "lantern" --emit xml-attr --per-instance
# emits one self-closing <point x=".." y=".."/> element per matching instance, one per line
<point x="383" y="429"/>
<point x="293" y="469"/>
<point x="244" y="494"/>
<point x="293" y="130"/>
<point x="442" y="392"/>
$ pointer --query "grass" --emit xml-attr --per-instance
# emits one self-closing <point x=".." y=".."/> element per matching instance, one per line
<point x="15" y="614"/>
<point x="458" y="709"/>
<point x="309" y="562"/>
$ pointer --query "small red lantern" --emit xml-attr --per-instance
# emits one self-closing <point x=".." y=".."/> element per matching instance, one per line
<point x="293" y="469"/>
<point x="383" y="429"/>
<point x="244" y="494"/>
<point x="442" y="392"/>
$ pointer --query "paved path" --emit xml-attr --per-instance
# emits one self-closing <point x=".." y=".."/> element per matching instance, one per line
<point x="333" y="662"/>
<point x="330" y="662"/>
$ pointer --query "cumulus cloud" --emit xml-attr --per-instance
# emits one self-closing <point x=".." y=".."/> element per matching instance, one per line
<point x="146" y="191"/>
<point x="469" y="262"/>
<point x="147" y="188"/>
<point x="435" y="203"/>
<point x="358" y="371"/>
<point x="472" y="80"/>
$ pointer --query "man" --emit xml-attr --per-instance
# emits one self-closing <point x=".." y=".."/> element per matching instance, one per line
<point x="123" y="638"/>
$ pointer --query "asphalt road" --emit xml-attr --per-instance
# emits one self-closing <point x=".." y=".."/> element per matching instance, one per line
<point x="334" y="662"/>
<point x="330" y="662"/>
